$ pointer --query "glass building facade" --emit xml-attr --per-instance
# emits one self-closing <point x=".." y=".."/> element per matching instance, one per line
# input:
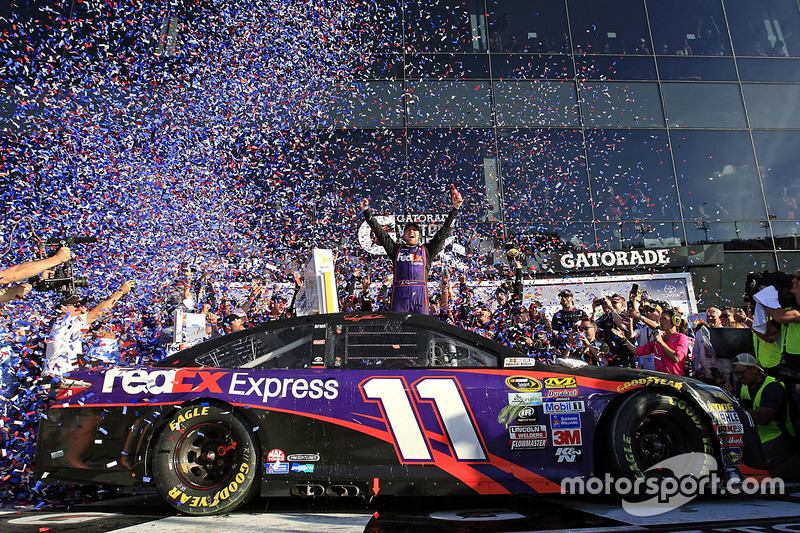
<point x="585" y="124"/>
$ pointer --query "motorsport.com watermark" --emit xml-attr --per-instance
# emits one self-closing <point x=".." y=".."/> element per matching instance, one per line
<point x="692" y="475"/>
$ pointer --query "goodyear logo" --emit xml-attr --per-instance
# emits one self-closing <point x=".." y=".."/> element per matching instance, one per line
<point x="650" y="380"/>
<point x="524" y="383"/>
<point x="563" y="382"/>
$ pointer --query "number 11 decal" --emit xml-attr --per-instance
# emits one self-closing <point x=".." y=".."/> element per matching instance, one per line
<point x="403" y="418"/>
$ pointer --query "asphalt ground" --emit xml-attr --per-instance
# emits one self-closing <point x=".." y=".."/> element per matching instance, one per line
<point x="147" y="512"/>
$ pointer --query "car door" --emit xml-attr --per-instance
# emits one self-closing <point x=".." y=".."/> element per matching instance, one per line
<point x="417" y="397"/>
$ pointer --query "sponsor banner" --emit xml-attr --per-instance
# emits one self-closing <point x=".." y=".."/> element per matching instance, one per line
<point x="562" y="382"/>
<point x="721" y="407"/>
<point x="307" y="468"/>
<point x="567" y="437"/>
<point x="728" y="417"/>
<point x="733" y="440"/>
<point x="575" y="406"/>
<point x="566" y="421"/>
<point x="650" y="380"/>
<point x="734" y="455"/>
<point x="277" y="468"/>
<point x="511" y="362"/>
<point x="560" y="393"/>
<point x="184" y="380"/>
<point x="524" y="384"/>
<point x="731" y="428"/>
<point x="304" y="457"/>
<point x="429" y="224"/>
<point x="276" y="455"/>
<point x="529" y="444"/>
<point x="568" y="454"/>
<point x="528" y="398"/>
<point x="527" y="432"/>
<point x="635" y="259"/>
<point x="527" y="414"/>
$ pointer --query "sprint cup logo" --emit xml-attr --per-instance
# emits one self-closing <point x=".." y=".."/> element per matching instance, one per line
<point x="524" y="384"/>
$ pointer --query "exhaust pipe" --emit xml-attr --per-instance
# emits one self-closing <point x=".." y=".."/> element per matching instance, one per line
<point x="342" y="491"/>
<point x="308" y="490"/>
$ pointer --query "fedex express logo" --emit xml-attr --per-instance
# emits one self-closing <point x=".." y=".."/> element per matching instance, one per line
<point x="184" y="380"/>
<point x="162" y="381"/>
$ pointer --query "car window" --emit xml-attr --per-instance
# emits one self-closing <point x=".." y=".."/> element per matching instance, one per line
<point x="391" y="345"/>
<point x="379" y="345"/>
<point x="279" y="348"/>
<point x="450" y="352"/>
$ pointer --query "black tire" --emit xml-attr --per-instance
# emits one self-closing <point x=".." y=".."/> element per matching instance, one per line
<point x="651" y="426"/>
<point x="205" y="461"/>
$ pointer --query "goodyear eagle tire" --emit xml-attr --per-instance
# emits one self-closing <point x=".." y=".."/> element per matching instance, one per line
<point x="205" y="461"/>
<point x="652" y="426"/>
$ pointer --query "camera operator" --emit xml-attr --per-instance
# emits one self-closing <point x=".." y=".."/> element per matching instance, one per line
<point x="28" y="270"/>
<point x="65" y="343"/>
<point x="789" y="320"/>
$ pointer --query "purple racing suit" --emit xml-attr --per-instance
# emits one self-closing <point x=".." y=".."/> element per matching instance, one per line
<point x="410" y="264"/>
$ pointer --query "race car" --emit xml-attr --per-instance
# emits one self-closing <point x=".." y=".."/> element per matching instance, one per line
<point x="371" y="405"/>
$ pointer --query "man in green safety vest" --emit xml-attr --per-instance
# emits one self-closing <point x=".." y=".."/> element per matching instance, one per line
<point x="764" y="397"/>
<point x="789" y="319"/>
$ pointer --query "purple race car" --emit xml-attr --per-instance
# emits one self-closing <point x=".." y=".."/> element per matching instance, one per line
<point x="368" y="404"/>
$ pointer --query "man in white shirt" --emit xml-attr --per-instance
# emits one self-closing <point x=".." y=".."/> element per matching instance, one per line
<point x="65" y="343"/>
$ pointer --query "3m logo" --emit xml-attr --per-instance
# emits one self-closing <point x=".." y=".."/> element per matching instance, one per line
<point x="567" y="437"/>
<point x="565" y="382"/>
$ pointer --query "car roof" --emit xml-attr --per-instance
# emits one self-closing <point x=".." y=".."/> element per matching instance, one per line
<point x="188" y="356"/>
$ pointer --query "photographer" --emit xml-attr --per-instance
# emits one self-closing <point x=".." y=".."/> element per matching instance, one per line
<point x="586" y="345"/>
<point x="65" y="343"/>
<point x="28" y="270"/>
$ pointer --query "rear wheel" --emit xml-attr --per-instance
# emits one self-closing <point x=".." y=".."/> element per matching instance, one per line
<point x="651" y="427"/>
<point x="206" y="461"/>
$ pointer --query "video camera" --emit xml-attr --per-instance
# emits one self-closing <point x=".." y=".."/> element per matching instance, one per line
<point x="780" y="280"/>
<point x="63" y="280"/>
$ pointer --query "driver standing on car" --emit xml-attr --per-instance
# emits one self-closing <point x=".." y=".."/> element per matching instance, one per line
<point x="411" y="261"/>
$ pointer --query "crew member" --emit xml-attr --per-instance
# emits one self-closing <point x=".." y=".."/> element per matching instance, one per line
<point x="764" y="397"/>
<point x="411" y="261"/>
<point x="789" y="319"/>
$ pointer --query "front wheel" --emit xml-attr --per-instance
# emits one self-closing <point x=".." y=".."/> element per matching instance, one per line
<point x="205" y="461"/>
<point x="650" y="427"/>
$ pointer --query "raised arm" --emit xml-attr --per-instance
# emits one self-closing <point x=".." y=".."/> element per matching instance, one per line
<point x="380" y="234"/>
<point x="34" y="268"/>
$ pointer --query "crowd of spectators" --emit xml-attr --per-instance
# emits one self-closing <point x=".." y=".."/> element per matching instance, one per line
<point x="43" y="335"/>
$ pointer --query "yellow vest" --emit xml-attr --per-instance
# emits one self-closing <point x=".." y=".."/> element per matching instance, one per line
<point x="790" y="337"/>
<point x="771" y="430"/>
<point x="768" y="354"/>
